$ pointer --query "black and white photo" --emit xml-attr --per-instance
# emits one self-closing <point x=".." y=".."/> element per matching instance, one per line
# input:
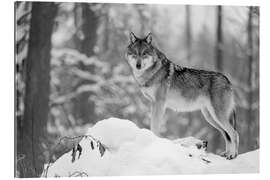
<point x="114" y="89"/>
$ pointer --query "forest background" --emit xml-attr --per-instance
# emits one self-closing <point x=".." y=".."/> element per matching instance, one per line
<point x="70" y="70"/>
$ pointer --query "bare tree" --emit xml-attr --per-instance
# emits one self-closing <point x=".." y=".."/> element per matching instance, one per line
<point x="143" y="19"/>
<point x="188" y="33"/>
<point x="32" y="130"/>
<point x="88" y="27"/>
<point x="250" y="75"/>
<point x="219" y="58"/>
<point x="188" y="49"/>
<point x="219" y="40"/>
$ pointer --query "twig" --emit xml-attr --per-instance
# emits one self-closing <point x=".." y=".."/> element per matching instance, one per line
<point x="207" y="161"/>
<point x="101" y="147"/>
<point x="78" y="174"/>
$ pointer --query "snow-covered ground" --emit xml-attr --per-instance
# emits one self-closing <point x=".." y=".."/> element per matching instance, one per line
<point x="134" y="151"/>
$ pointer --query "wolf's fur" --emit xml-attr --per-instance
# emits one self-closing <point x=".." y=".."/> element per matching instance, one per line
<point x="168" y="85"/>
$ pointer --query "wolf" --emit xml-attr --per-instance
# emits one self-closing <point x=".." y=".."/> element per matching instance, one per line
<point x="183" y="89"/>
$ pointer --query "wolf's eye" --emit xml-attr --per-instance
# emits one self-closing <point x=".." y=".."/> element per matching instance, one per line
<point x="145" y="55"/>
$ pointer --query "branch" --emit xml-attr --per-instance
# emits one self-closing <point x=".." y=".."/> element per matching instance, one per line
<point x="65" y="144"/>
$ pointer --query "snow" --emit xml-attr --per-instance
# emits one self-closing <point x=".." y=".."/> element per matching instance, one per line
<point x="134" y="151"/>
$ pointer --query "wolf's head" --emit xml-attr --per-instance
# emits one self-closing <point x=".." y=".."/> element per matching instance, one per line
<point x="140" y="53"/>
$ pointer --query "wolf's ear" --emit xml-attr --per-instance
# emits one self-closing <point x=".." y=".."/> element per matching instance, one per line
<point x="148" y="38"/>
<point x="132" y="37"/>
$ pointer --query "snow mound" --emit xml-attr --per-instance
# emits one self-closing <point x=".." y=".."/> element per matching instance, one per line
<point x="134" y="151"/>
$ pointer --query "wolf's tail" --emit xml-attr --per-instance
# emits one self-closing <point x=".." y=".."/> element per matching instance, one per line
<point x="233" y="119"/>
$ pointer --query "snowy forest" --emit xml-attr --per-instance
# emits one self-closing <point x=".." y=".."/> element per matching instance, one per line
<point x="70" y="70"/>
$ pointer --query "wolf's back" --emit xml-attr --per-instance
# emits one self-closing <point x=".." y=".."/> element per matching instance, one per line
<point x="201" y="79"/>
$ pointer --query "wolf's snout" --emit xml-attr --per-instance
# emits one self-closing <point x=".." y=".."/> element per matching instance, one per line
<point x="138" y="65"/>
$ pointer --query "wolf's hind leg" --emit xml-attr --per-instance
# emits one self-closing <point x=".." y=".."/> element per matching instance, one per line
<point x="212" y="122"/>
<point x="221" y="114"/>
<point x="233" y="145"/>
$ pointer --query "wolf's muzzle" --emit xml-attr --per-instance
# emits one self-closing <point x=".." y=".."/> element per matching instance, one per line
<point x="138" y="65"/>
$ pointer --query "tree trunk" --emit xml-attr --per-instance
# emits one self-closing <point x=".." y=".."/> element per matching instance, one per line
<point x="84" y="107"/>
<point x="106" y="31"/>
<point x="250" y="75"/>
<point x="188" y="33"/>
<point x="219" y="41"/>
<point x="89" y="28"/>
<point x="188" y="51"/>
<point x="32" y="131"/>
<point x="219" y="67"/>
<point x="143" y="20"/>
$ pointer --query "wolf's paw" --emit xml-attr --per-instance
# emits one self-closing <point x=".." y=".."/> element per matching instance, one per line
<point x="228" y="155"/>
<point x="231" y="156"/>
<point x="223" y="154"/>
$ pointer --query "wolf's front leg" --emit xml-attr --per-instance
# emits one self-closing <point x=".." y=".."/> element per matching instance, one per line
<point x="157" y="116"/>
